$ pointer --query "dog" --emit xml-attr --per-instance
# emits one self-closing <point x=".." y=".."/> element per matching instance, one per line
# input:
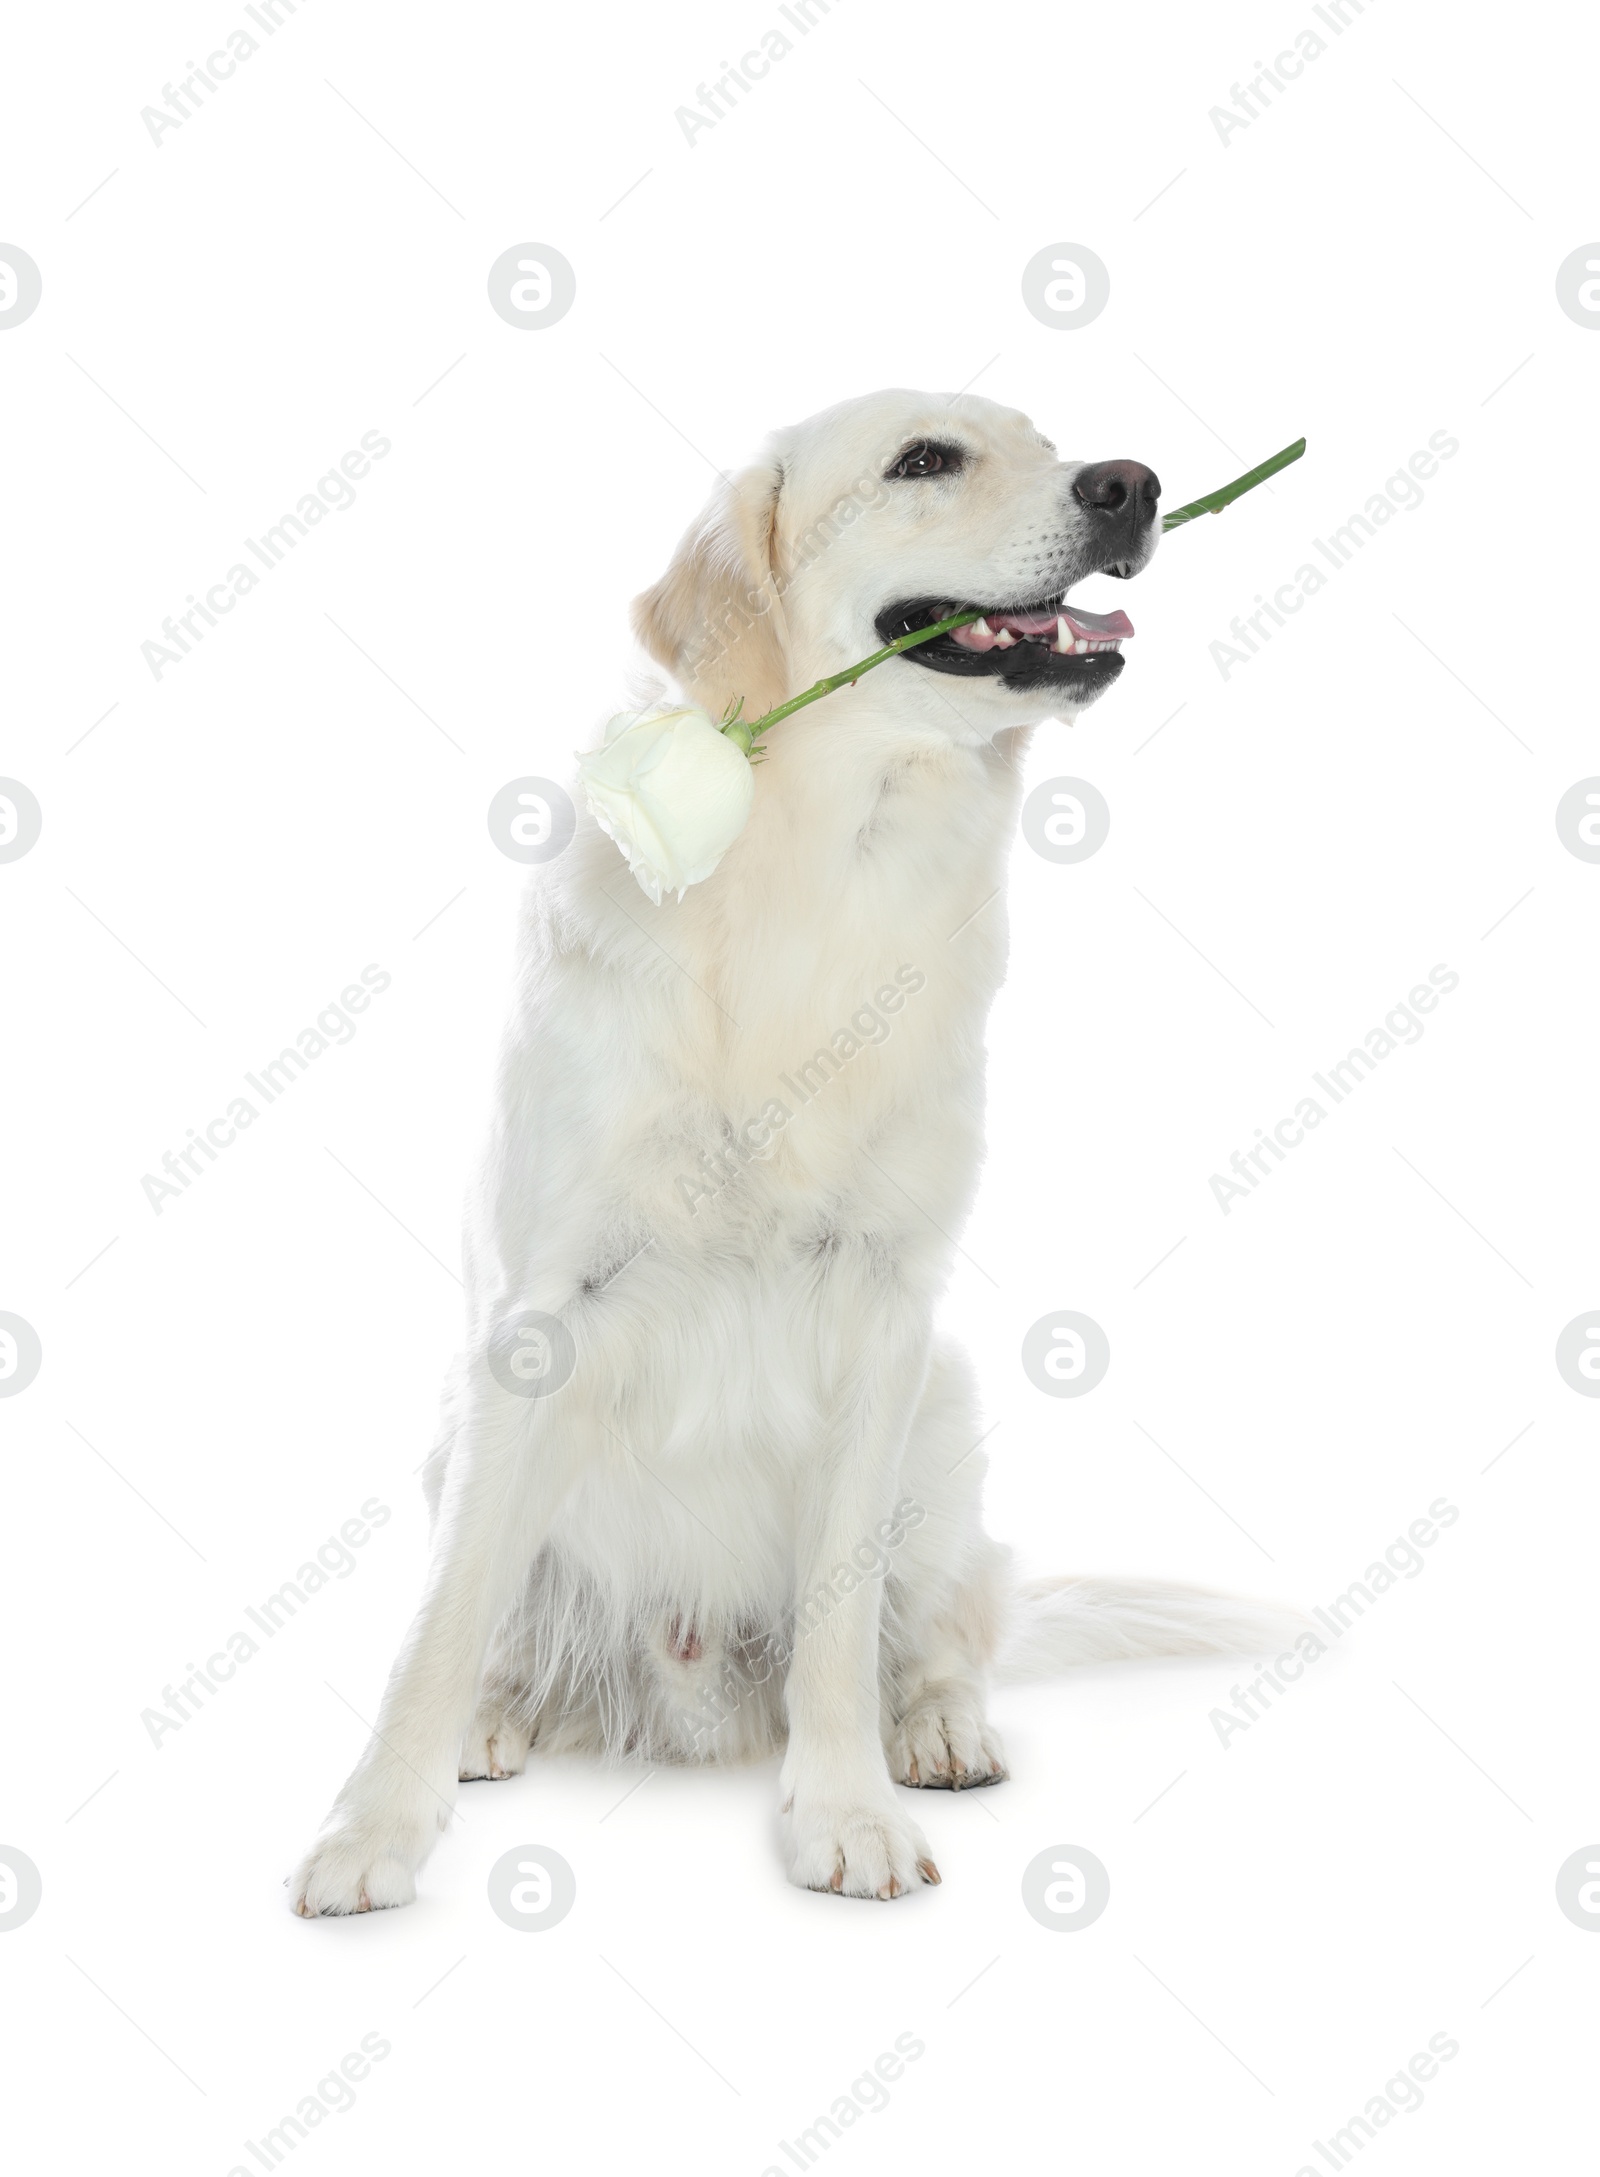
<point x="707" y="1484"/>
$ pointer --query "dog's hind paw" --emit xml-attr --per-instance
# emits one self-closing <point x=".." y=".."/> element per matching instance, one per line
<point x="493" y="1748"/>
<point x="943" y="1744"/>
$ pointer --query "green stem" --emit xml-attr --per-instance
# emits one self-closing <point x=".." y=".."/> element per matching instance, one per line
<point x="746" y="732"/>
<point x="1215" y="501"/>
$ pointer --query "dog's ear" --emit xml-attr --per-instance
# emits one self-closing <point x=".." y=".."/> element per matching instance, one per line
<point x="715" y="619"/>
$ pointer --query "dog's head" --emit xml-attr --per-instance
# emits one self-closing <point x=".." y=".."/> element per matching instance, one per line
<point x="882" y="516"/>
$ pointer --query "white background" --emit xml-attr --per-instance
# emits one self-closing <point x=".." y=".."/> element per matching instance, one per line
<point x="1370" y="262"/>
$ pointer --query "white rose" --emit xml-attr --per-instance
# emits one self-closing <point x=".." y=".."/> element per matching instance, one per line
<point x="672" y="791"/>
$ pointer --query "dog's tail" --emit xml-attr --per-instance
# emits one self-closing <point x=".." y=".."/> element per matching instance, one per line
<point x="1058" y="1623"/>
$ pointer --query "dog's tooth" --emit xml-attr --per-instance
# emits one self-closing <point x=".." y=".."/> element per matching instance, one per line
<point x="1063" y="638"/>
<point x="982" y="627"/>
<point x="1005" y="639"/>
<point x="1080" y="648"/>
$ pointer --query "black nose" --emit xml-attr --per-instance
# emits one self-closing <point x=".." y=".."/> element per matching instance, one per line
<point x="1126" y="490"/>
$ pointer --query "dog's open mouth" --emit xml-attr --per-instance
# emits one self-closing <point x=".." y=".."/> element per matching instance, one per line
<point x="1050" y="643"/>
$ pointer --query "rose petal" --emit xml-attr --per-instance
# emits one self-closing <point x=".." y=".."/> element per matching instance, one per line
<point x="673" y="792"/>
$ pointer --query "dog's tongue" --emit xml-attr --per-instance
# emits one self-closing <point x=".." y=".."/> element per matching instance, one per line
<point x="1081" y="625"/>
<point x="1096" y="626"/>
<point x="1092" y="626"/>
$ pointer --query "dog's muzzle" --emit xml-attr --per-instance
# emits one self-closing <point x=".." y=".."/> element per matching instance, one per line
<point x="1042" y="642"/>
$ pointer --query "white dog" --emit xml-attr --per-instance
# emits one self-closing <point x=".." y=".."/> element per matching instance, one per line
<point x="734" y="1137"/>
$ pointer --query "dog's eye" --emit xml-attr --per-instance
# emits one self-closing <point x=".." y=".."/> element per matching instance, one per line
<point x="926" y="459"/>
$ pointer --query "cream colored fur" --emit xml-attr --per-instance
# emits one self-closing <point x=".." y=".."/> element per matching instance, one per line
<point x="759" y="1405"/>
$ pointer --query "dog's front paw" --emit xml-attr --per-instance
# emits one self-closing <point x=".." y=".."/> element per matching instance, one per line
<point x="349" y="1871"/>
<point x="866" y="1850"/>
<point x="943" y="1744"/>
<point x="367" y="1856"/>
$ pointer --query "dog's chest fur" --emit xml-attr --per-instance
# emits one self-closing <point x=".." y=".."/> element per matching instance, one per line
<point x="756" y="1059"/>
